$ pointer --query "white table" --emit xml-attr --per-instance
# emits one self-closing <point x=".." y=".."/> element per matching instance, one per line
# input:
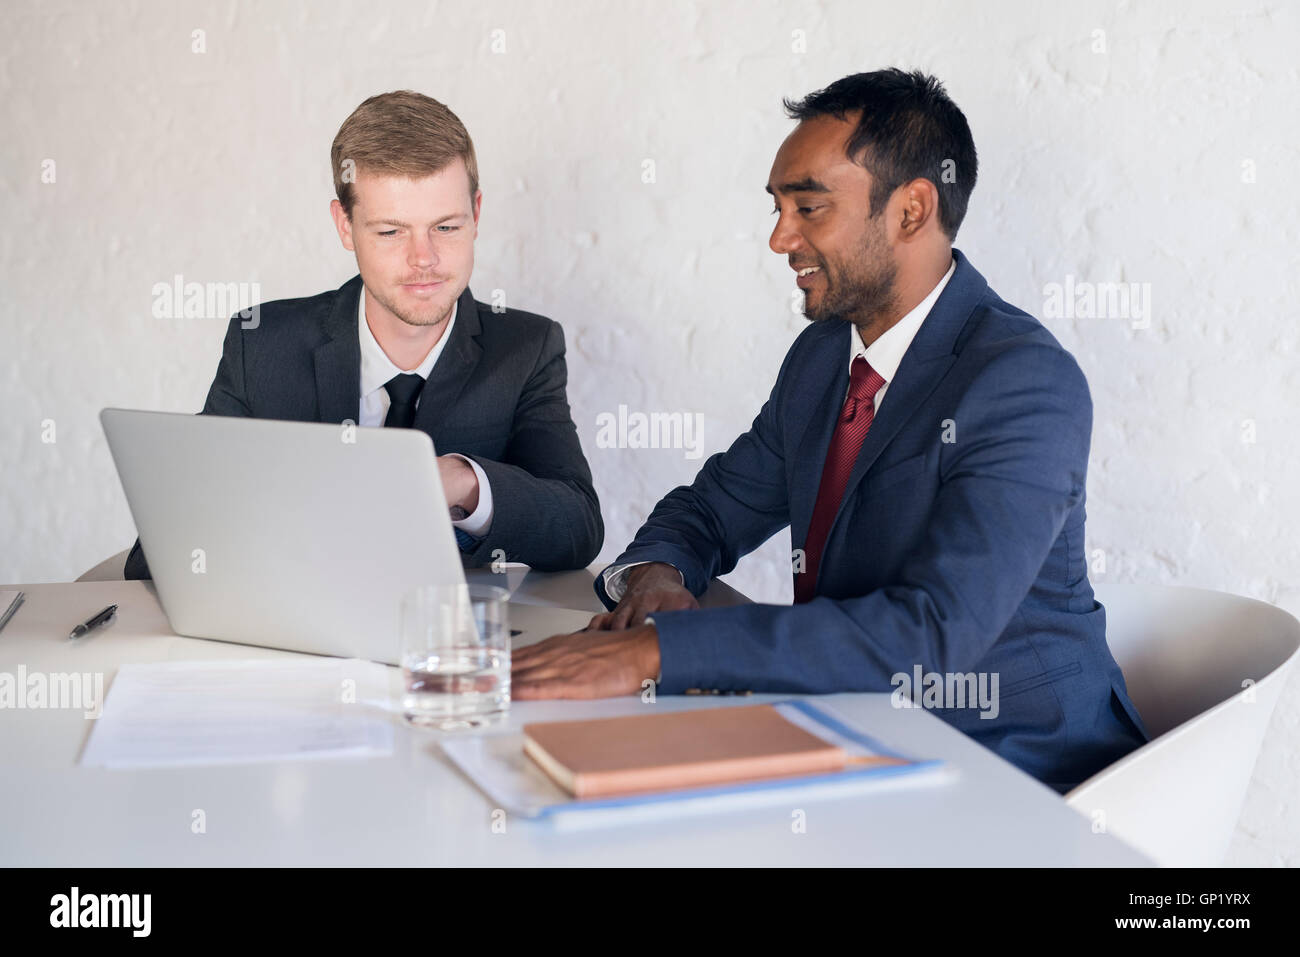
<point x="415" y="808"/>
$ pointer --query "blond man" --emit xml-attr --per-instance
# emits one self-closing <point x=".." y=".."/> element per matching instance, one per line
<point x="404" y="344"/>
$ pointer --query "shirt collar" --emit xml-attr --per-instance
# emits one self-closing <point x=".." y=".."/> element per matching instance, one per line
<point x="376" y="368"/>
<point x="886" y="353"/>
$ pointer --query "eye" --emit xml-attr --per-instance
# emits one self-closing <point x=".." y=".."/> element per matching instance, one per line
<point x="447" y="229"/>
<point x="808" y="209"/>
<point x="389" y="232"/>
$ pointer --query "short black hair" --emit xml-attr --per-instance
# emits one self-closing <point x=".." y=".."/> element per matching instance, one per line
<point x="909" y="128"/>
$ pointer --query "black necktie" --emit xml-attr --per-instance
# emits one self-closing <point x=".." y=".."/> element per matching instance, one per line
<point x="403" y="390"/>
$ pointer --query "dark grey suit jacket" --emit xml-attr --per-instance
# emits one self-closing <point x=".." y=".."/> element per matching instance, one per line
<point x="496" y="395"/>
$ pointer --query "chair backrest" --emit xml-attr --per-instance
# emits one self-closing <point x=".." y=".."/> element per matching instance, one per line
<point x="1205" y="670"/>
<point x="1184" y="650"/>
<point x="112" y="568"/>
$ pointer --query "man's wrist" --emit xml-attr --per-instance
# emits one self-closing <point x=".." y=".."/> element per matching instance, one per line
<point x="475" y="521"/>
<point x="639" y="571"/>
<point x="652" y="665"/>
<point x="615" y="578"/>
<point x="468" y="498"/>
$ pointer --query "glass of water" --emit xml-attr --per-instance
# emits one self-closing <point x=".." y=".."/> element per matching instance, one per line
<point x="455" y="656"/>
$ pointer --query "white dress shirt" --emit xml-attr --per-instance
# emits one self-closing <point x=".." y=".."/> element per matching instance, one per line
<point x="377" y="369"/>
<point x="884" y="355"/>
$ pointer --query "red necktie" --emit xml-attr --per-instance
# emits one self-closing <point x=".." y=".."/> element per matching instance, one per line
<point x="851" y="428"/>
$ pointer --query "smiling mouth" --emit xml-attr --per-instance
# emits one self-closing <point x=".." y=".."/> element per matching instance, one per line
<point x="805" y="276"/>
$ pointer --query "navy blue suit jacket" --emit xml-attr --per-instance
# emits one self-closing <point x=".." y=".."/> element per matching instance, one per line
<point x="958" y="545"/>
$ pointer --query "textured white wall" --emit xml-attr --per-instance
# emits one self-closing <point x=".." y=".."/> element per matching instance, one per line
<point x="1129" y="163"/>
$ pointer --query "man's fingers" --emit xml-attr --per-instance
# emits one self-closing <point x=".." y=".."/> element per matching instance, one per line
<point x="561" y="687"/>
<point x="536" y="690"/>
<point x="558" y="662"/>
<point x="549" y="682"/>
<point x="524" y="654"/>
<point x="540" y="672"/>
<point x="529" y="652"/>
<point x="623" y="615"/>
<point x="580" y="665"/>
<point x="600" y="622"/>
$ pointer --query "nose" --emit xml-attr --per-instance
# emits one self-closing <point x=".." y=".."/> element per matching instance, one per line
<point x="422" y="251"/>
<point x="785" y="238"/>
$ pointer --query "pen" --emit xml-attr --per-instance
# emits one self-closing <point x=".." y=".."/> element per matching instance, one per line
<point x="4" y="619"/>
<point x="103" y="618"/>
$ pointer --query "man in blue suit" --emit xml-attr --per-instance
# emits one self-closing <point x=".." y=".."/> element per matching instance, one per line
<point x="927" y="444"/>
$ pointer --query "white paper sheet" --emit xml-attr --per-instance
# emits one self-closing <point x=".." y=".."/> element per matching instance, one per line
<point x="231" y="712"/>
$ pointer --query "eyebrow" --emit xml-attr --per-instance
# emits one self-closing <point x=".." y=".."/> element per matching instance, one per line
<point x="398" y="222"/>
<point x="805" y="185"/>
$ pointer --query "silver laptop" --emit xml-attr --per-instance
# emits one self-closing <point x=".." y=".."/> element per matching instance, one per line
<point x="295" y="535"/>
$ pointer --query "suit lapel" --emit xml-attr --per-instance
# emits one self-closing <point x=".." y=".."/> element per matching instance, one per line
<point x="915" y="379"/>
<point x="338" y="360"/>
<point x="454" y="368"/>
<point x="927" y="360"/>
<point x="833" y="351"/>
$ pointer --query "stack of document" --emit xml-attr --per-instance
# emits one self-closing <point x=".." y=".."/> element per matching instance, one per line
<point x="516" y="782"/>
<point x="226" y="712"/>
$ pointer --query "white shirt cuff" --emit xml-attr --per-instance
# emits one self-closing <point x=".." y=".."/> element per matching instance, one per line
<point x="478" y="522"/>
<point x="615" y="579"/>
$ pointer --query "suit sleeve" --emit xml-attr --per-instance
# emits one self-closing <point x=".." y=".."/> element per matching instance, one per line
<point x="1007" y="485"/>
<point x="226" y="396"/>
<point x="545" y="510"/>
<point x="739" y="500"/>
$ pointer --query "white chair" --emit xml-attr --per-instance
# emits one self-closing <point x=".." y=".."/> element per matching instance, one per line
<point x="110" y="569"/>
<point x="1205" y="670"/>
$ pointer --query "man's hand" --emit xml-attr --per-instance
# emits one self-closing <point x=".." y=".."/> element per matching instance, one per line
<point x="459" y="482"/>
<point x="652" y="587"/>
<point x="587" y="664"/>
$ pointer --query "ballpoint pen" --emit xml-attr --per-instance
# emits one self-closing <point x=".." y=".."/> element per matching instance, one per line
<point x="18" y="600"/>
<point x="90" y="624"/>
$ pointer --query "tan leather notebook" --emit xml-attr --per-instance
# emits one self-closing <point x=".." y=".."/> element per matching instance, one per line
<point x="654" y="752"/>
